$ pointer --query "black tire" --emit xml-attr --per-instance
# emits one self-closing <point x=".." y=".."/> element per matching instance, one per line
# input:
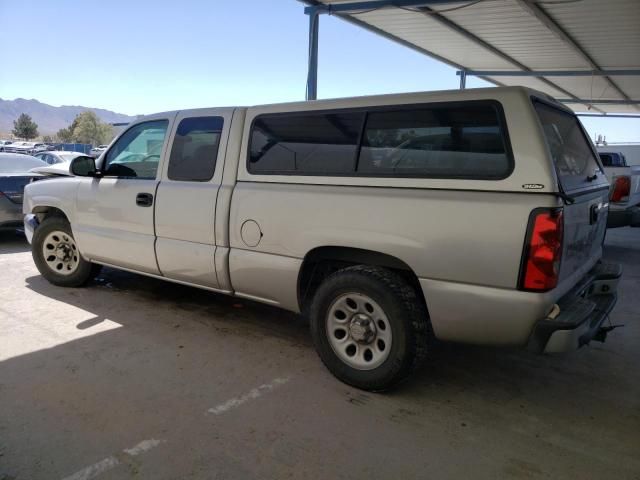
<point x="404" y="310"/>
<point x="85" y="270"/>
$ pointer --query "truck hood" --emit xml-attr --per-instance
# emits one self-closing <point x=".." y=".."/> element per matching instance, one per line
<point x="59" y="169"/>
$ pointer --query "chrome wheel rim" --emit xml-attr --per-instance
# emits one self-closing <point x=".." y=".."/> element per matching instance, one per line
<point x="60" y="252"/>
<point x="359" y="331"/>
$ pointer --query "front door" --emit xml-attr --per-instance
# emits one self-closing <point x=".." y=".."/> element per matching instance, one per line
<point x="115" y="213"/>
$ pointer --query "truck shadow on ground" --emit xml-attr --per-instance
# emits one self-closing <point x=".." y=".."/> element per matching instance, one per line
<point x="174" y="351"/>
<point x="140" y="302"/>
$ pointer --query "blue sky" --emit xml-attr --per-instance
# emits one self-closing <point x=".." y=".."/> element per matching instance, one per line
<point x="142" y="56"/>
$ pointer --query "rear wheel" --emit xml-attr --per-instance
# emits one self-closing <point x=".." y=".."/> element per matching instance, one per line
<point x="57" y="257"/>
<point x="369" y="327"/>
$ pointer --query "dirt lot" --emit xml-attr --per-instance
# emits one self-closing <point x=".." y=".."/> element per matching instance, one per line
<point x="137" y="378"/>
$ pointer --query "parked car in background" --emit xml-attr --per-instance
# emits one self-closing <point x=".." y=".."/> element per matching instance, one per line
<point x="471" y="216"/>
<point x="27" y="148"/>
<point x="97" y="151"/>
<point x="53" y="157"/>
<point x="4" y="143"/>
<point x="11" y="147"/>
<point x="631" y="151"/>
<point x="39" y="147"/>
<point x="14" y="175"/>
<point x="23" y="147"/>
<point x="624" y="198"/>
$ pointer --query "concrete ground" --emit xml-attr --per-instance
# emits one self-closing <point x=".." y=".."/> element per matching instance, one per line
<point x="137" y="378"/>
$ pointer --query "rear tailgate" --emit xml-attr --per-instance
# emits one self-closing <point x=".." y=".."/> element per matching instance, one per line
<point x="581" y="178"/>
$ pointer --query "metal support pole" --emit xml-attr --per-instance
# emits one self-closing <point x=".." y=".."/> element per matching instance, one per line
<point x="312" y="73"/>
<point x="463" y="79"/>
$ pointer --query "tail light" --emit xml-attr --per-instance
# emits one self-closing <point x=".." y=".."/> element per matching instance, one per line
<point x="542" y="251"/>
<point x="621" y="189"/>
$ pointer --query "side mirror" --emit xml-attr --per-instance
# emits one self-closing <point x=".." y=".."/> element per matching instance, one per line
<point x="84" y="167"/>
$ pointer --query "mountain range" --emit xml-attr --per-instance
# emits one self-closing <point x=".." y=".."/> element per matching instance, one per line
<point x="50" y="119"/>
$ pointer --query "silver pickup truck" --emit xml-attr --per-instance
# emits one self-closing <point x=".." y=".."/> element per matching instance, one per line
<point x="470" y="216"/>
<point x="624" y="197"/>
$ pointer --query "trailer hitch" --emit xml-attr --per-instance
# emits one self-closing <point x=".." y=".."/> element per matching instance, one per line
<point x="601" y="335"/>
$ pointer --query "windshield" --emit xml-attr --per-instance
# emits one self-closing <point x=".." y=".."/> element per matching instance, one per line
<point x="570" y="150"/>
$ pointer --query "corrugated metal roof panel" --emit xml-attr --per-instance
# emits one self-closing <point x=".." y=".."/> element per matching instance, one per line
<point x="518" y="35"/>
<point x="608" y="31"/>
<point x="425" y="32"/>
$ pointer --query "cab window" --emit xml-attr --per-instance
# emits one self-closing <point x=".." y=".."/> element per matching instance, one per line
<point x="136" y="154"/>
<point x="195" y="148"/>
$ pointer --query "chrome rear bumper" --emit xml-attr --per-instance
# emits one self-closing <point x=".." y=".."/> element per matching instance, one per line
<point x="580" y="314"/>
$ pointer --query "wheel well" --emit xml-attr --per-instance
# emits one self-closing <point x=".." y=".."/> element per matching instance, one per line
<point x="43" y="212"/>
<point x="321" y="262"/>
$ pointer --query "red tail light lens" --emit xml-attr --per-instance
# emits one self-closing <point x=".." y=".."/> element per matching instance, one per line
<point x="621" y="189"/>
<point x="543" y="251"/>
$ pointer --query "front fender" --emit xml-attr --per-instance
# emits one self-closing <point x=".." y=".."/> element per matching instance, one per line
<point x="58" y="193"/>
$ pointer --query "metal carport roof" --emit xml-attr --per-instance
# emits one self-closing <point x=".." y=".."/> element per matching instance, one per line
<point x="583" y="52"/>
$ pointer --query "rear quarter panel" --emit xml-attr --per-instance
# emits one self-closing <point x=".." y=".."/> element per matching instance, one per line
<point x="462" y="238"/>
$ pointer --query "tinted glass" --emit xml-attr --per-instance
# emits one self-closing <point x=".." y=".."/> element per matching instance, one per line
<point x="435" y="141"/>
<point x="305" y="144"/>
<point x="612" y="160"/>
<point x="136" y="154"/>
<point x="195" y="148"/>
<point x="570" y="150"/>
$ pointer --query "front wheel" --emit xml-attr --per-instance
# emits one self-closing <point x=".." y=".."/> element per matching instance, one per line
<point x="369" y="327"/>
<point x="57" y="257"/>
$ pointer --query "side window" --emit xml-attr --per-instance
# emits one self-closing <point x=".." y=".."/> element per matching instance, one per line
<point x="136" y="154"/>
<point x="305" y="143"/>
<point x="45" y="157"/>
<point x="195" y="149"/>
<point x="435" y="141"/>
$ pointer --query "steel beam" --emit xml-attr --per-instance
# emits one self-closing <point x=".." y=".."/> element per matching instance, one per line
<point x="550" y="73"/>
<point x="487" y="46"/>
<point x="608" y="115"/>
<point x="354" y="7"/>
<point x="549" y="22"/>
<point x="312" y="72"/>
<point x="598" y="102"/>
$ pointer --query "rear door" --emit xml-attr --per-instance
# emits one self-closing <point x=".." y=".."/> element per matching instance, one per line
<point x="187" y="195"/>
<point x="582" y="178"/>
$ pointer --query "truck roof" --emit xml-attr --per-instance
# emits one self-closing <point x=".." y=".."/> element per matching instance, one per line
<point x="384" y="99"/>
